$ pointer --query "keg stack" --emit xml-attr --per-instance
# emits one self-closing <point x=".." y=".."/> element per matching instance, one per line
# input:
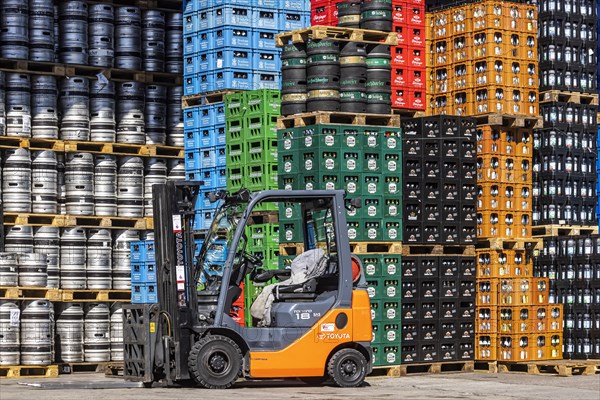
<point x="407" y="20"/>
<point x="83" y="141"/>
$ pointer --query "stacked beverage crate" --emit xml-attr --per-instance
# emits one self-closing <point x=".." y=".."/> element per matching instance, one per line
<point x="143" y="272"/>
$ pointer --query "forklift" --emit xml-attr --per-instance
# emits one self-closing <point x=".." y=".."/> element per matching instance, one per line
<point x="311" y="321"/>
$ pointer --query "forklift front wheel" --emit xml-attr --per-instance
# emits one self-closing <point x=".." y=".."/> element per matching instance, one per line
<point x="347" y="367"/>
<point x="215" y="362"/>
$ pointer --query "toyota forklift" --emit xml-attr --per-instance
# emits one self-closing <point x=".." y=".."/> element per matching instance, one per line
<point x="311" y="320"/>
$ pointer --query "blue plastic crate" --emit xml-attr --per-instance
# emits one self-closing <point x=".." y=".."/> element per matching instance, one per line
<point x="190" y="84"/>
<point x="190" y="44"/>
<point x="143" y="272"/>
<point x="205" y="83"/>
<point x="203" y="219"/>
<point x="142" y="250"/>
<point x="219" y="134"/>
<point x="234" y="2"/>
<point x="295" y="5"/>
<point x="267" y="81"/>
<point x="198" y="245"/>
<point x="192" y="160"/>
<point x="221" y="159"/>
<point x="233" y="57"/>
<point x="193" y="175"/>
<point x="190" y="64"/>
<point x="143" y="293"/>
<point x="208" y="157"/>
<point x="205" y="40"/>
<point x="206" y="137"/>
<point x="190" y="23"/>
<point x="205" y="19"/>
<point x="189" y="6"/>
<point x="267" y="60"/>
<point x="292" y="20"/>
<point x="191" y="139"/>
<point x="267" y="18"/>
<point x="226" y="36"/>
<point x="205" y="61"/>
<point x="221" y="177"/>
<point x="190" y="118"/>
<point x="207" y="178"/>
<point x="219" y="115"/>
<point x="232" y="15"/>
<point x="267" y="3"/>
<point x="206" y="116"/>
<point x="264" y="39"/>
<point x="229" y="78"/>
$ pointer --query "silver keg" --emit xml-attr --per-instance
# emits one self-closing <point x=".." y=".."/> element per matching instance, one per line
<point x="73" y="28"/>
<point x="105" y="185"/>
<point x="155" y="114"/>
<point x="16" y="181"/>
<point x="2" y="105"/>
<point x="176" y="170"/>
<point x="96" y="342"/>
<point x="99" y="259"/>
<point x="33" y="269"/>
<point x="101" y="35"/>
<point x="37" y="322"/>
<point x="130" y="187"/>
<point x="56" y="35"/>
<point x="153" y="40"/>
<point x="155" y="173"/>
<point x="41" y="30"/>
<point x="73" y="258"/>
<point x="44" y="112"/>
<point x="122" y="257"/>
<point x="116" y="332"/>
<point x="19" y="239"/>
<point x="174" y="43"/>
<point x="46" y="240"/>
<point x="75" y="109"/>
<point x="44" y="182"/>
<point x="69" y="332"/>
<point x="9" y="275"/>
<point x="128" y="38"/>
<point x="174" y="116"/>
<point x="62" y="190"/>
<point x="130" y="112"/>
<point x="14" y="32"/>
<point x="10" y="332"/>
<point x="102" y="111"/>
<point x="79" y="183"/>
<point x="17" y="100"/>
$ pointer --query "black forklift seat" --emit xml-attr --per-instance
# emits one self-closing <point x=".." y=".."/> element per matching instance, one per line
<point x="301" y="292"/>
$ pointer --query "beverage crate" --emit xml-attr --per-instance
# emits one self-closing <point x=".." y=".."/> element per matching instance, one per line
<point x="264" y="102"/>
<point x="143" y="272"/>
<point x="224" y="36"/>
<point x="290" y="20"/>
<point x="386" y="333"/>
<point x="261" y="177"/>
<point x="144" y="293"/>
<point x="142" y="250"/>
<point x="203" y="219"/>
<point x="264" y="39"/>
<point x="261" y="151"/>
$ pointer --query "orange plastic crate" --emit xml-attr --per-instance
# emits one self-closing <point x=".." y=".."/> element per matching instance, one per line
<point x="515" y="320"/>
<point x="503" y="264"/>
<point x="503" y="224"/>
<point x="486" y="320"/>
<point x="515" y="292"/>
<point x="487" y="292"/>
<point x="515" y="347"/>
<point x="486" y="347"/>
<point x="540" y="288"/>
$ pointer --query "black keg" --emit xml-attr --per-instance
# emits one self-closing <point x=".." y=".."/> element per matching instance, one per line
<point x="349" y="14"/>
<point x="293" y="77"/>
<point x="376" y="15"/>
<point x="322" y="77"/>
<point x="353" y="77"/>
<point x="378" y="86"/>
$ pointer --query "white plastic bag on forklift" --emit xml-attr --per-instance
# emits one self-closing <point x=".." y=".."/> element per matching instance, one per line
<point x="308" y="265"/>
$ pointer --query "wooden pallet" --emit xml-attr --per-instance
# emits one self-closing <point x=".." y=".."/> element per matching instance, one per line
<point x="85" y="295"/>
<point x="507" y="244"/>
<point x="105" y="222"/>
<point x="508" y="120"/>
<point x="28" y="371"/>
<point x="376" y="247"/>
<point x="106" y="148"/>
<point x="31" y="143"/>
<point x="336" y="33"/>
<point x="195" y="100"/>
<point x="343" y="118"/>
<point x="32" y="67"/>
<point x="34" y="219"/>
<point x="72" y="368"/>
<point x="437" y="250"/>
<point x="552" y="96"/>
<point x="425" y="368"/>
<point x="564" y="230"/>
<point x="29" y="292"/>
<point x="406" y="113"/>
<point x="164" y="151"/>
<point x="552" y="367"/>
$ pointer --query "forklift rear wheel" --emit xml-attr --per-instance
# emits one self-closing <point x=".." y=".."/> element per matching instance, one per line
<point x="347" y="368"/>
<point x="215" y="362"/>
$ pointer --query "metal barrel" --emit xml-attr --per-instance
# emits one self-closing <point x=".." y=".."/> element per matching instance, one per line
<point x="176" y="170"/>
<point x="153" y="40"/>
<point x="46" y="240"/>
<point x="2" y="105"/>
<point x="376" y="15"/>
<point x="9" y="275"/>
<point x="44" y="182"/>
<point x="99" y="259"/>
<point x="96" y="342"/>
<point x="101" y="35"/>
<point x="130" y="112"/>
<point x="73" y="28"/>
<point x="14" y="31"/>
<point x="79" y="183"/>
<point x="69" y="332"/>
<point x="155" y="114"/>
<point x="37" y="320"/>
<point x="155" y="173"/>
<point x="16" y="181"/>
<point x="75" y="108"/>
<point x="130" y="187"/>
<point x="33" y="269"/>
<point x="102" y="111"/>
<point x="62" y="189"/>
<point x="174" y="43"/>
<point x="105" y="185"/>
<point x="19" y="239"/>
<point x="174" y="124"/>
<point x="17" y="104"/>
<point x="73" y="257"/>
<point x="44" y="112"/>
<point x="116" y="332"/>
<point x="128" y="38"/>
<point x="10" y="332"/>
<point x="121" y="257"/>
<point x="41" y="30"/>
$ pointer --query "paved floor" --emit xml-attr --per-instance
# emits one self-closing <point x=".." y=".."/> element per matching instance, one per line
<point x="480" y="386"/>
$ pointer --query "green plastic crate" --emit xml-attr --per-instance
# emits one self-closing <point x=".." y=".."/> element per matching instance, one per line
<point x="236" y="154"/>
<point x="263" y="102"/>
<point x="288" y="182"/>
<point x="235" y="178"/>
<point x="261" y="151"/>
<point x="260" y="126"/>
<point x="261" y="177"/>
<point x="235" y="105"/>
<point x="234" y="130"/>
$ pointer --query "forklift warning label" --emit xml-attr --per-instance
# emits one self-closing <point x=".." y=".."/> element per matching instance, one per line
<point x="327" y="327"/>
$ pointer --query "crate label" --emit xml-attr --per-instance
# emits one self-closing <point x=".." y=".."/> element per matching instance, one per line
<point x="289" y="235"/>
<point x="352" y="233"/>
<point x="372" y="211"/>
<point x="372" y="164"/>
<point x="372" y="311"/>
<point x="309" y="186"/>
<point x="308" y="164"/>
<point x="372" y="187"/>
<point x="392" y="233"/>
<point x="391" y="314"/>
<point x="287" y="167"/>
<point x="392" y="187"/>
<point x="350" y="141"/>
<point x="329" y="163"/>
<point x="372" y="141"/>
<point x="391" y="269"/>
<point x="392" y="210"/>
<point x="370" y="268"/>
<point x="288" y="186"/>
<point x="351" y="187"/>
<point x="351" y="164"/>
<point x="391" y="357"/>
<point x="308" y="141"/>
<point x="287" y="144"/>
<point x="352" y="212"/>
<point x="391" y="143"/>
<point x="392" y="165"/>
<point x="391" y="291"/>
<point x="289" y="212"/>
<point x="372" y="233"/>
<point x="330" y="186"/>
<point x="329" y="140"/>
<point x="371" y="292"/>
<point x="391" y="335"/>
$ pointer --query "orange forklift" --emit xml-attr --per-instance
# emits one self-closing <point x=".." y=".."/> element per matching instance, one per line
<point x="311" y="321"/>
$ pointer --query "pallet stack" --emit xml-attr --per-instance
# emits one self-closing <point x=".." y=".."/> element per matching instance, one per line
<point x="483" y="63"/>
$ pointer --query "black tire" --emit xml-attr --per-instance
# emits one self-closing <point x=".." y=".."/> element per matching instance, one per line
<point x="215" y="362"/>
<point x="347" y="368"/>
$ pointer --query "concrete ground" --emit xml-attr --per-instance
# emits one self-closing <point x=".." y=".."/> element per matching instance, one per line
<point x="447" y="386"/>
